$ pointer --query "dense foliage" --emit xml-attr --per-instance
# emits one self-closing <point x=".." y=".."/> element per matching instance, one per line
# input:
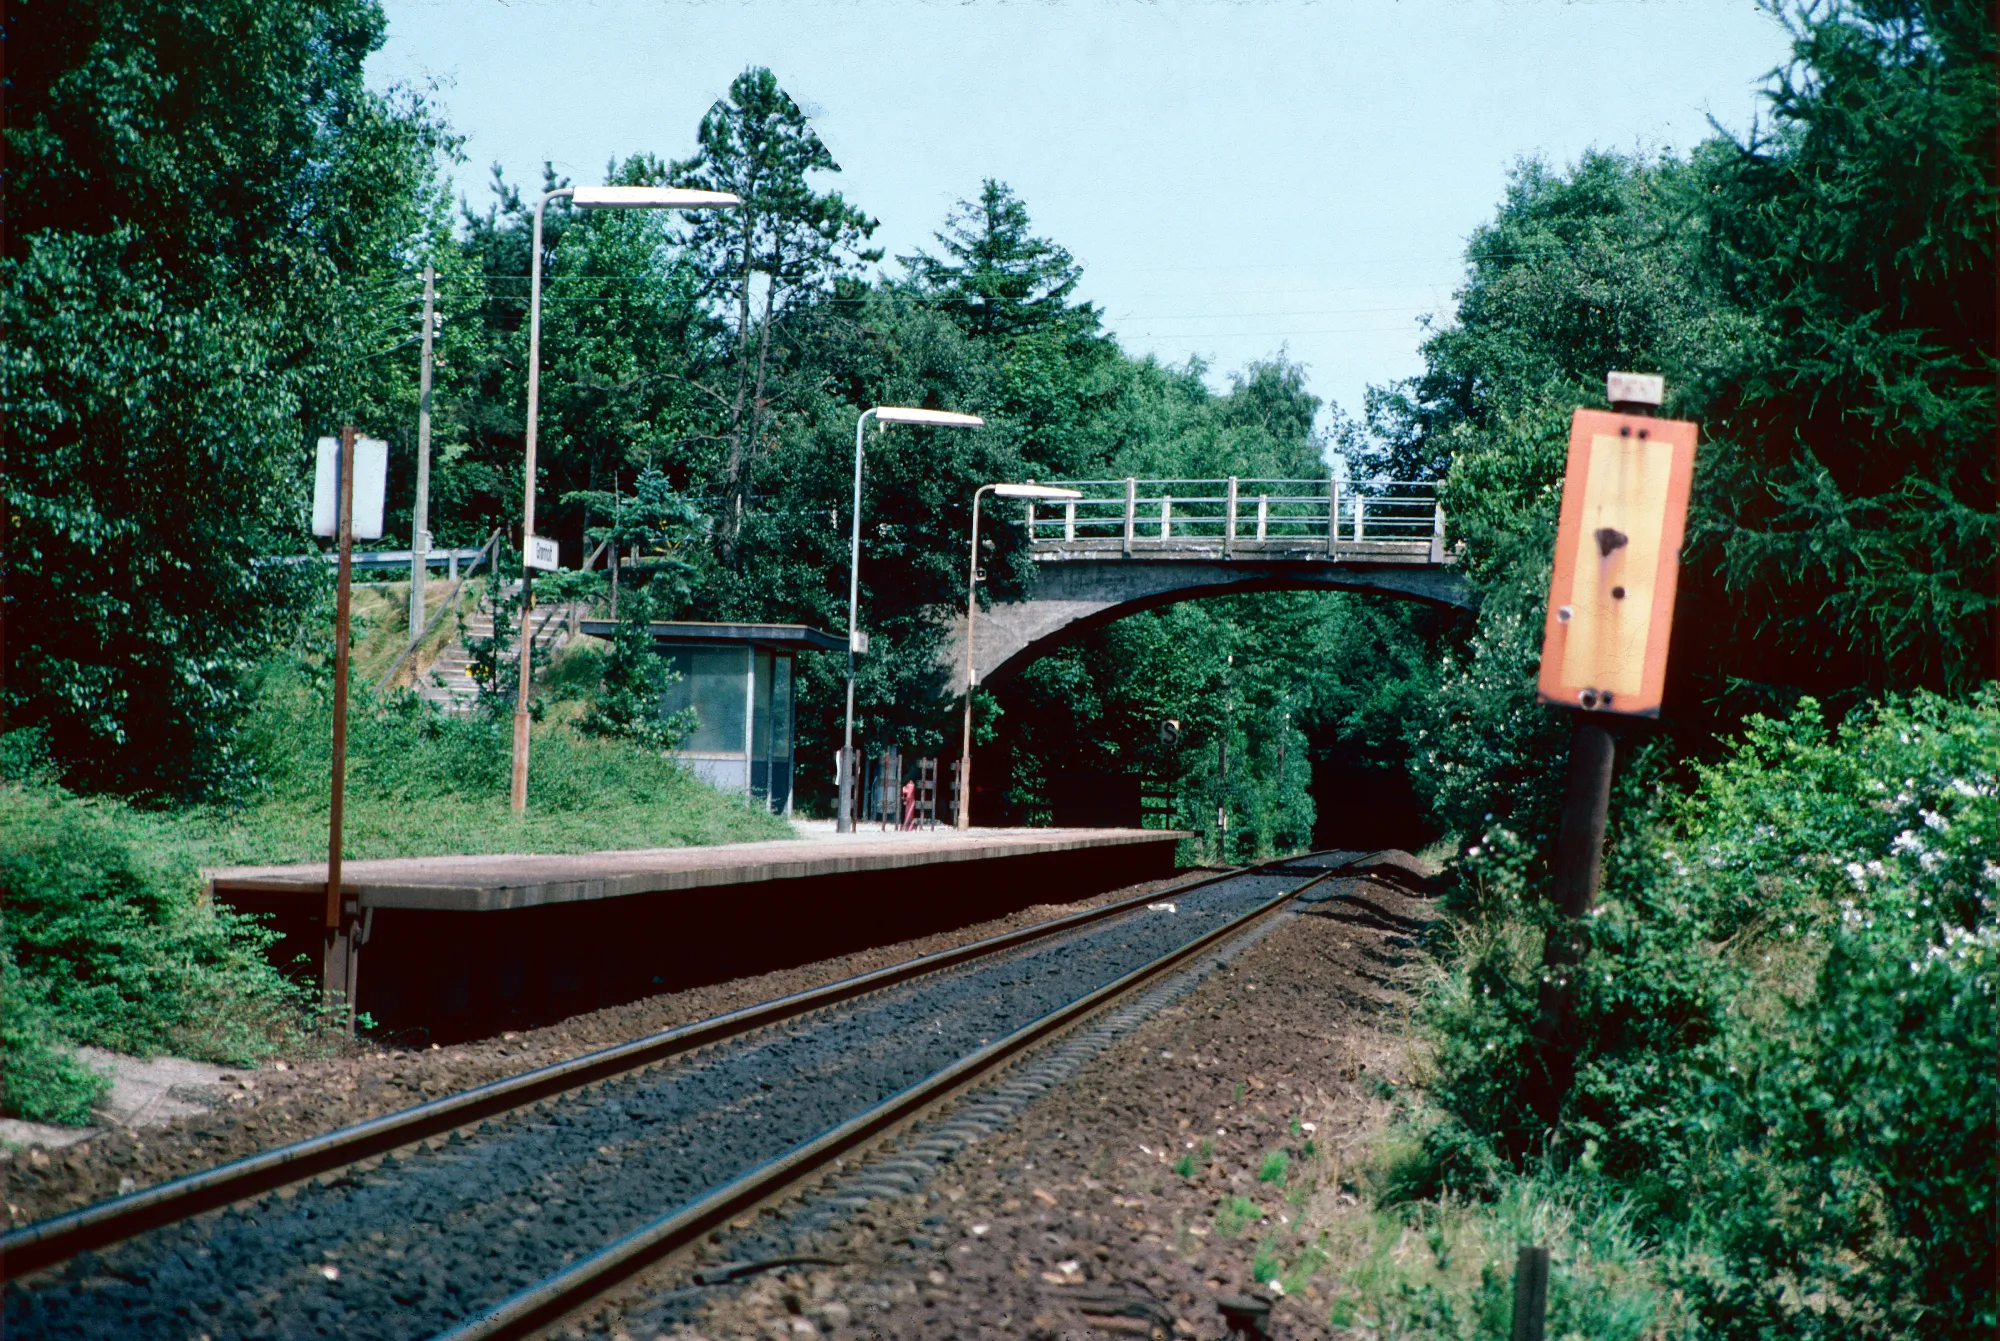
<point x="1788" y="1018"/>
<point x="206" y="208"/>
<point x="1786" y="991"/>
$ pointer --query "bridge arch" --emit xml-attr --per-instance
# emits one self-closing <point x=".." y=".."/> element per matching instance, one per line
<point x="1072" y="595"/>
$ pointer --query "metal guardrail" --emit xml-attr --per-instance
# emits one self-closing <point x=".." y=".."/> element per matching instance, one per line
<point x="1256" y="514"/>
<point x="370" y="559"/>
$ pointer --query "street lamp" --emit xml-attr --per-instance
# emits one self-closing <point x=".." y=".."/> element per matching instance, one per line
<point x="884" y="414"/>
<point x="963" y="819"/>
<point x="586" y="198"/>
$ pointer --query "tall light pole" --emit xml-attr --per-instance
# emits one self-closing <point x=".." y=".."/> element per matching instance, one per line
<point x="963" y="818"/>
<point x="884" y="414"/>
<point x="586" y="198"/>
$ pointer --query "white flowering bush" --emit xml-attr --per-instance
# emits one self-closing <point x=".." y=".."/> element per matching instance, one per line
<point x="1785" y="1017"/>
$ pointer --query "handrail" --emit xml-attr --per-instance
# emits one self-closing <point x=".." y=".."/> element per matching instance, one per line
<point x="451" y="598"/>
<point x="1149" y="513"/>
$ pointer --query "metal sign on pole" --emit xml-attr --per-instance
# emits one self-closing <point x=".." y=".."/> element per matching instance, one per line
<point x="1604" y="645"/>
<point x="543" y="553"/>
<point x="363" y="494"/>
<point x="1611" y="603"/>
<point x="338" y="950"/>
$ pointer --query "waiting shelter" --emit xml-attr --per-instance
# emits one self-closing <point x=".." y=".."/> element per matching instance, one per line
<point x="739" y="680"/>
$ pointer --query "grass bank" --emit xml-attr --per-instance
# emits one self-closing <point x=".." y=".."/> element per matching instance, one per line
<point x="108" y="941"/>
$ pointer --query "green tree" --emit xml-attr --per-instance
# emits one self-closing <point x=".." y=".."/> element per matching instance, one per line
<point x="997" y="280"/>
<point x="1847" y="505"/>
<point x="780" y="249"/>
<point x="209" y="217"/>
<point x="1059" y="376"/>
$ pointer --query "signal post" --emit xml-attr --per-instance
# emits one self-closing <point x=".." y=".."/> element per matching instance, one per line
<point x="1604" y="650"/>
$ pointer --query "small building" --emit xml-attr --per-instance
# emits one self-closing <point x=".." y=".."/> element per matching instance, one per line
<point x="739" y="680"/>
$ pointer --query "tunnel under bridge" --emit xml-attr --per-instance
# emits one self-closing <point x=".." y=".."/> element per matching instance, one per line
<point x="1131" y="545"/>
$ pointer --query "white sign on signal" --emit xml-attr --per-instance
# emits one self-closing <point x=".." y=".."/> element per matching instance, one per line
<point x="371" y="479"/>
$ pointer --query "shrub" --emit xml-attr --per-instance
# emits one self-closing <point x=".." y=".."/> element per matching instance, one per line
<point x="1785" y="1019"/>
<point x="107" y="940"/>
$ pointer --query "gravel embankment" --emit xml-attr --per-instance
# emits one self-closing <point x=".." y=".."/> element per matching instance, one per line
<point x="406" y="1248"/>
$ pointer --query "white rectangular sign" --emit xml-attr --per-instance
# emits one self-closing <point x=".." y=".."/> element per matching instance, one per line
<point x="371" y="479"/>
<point x="543" y="553"/>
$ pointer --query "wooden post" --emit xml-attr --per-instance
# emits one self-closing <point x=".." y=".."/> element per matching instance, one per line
<point x="1437" y="532"/>
<point x="1332" y="514"/>
<point x="1229" y="535"/>
<point x="1131" y="511"/>
<point x="338" y="953"/>
<point x="1263" y="514"/>
<point x="420" y="534"/>
<point x="1166" y="515"/>
<point x="1069" y="521"/>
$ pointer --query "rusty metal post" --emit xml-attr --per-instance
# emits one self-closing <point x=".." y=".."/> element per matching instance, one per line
<point x="1531" y="1294"/>
<point x="1578" y="864"/>
<point x="1586" y="801"/>
<point x="338" y="954"/>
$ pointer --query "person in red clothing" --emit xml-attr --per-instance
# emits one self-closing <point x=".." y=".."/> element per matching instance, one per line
<point x="909" y="806"/>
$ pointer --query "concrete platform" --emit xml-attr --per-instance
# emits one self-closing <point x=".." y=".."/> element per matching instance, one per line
<point x="518" y="880"/>
<point x="456" y="947"/>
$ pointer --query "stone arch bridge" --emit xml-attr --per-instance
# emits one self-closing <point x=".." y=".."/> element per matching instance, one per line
<point x="1130" y="545"/>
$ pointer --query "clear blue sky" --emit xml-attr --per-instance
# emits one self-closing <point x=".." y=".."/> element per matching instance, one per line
<point x="1234" y="178"/>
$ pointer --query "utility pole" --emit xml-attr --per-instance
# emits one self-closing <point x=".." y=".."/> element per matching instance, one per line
<point x="420" y="533"/>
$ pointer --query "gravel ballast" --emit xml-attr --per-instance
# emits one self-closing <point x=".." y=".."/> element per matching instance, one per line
<point x="1127" y="1195"/>
<point x="406" y="1247"/>
<point x="254" y="1110"/>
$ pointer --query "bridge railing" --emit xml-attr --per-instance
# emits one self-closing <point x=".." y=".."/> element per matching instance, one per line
<point x="1284" y="514"/>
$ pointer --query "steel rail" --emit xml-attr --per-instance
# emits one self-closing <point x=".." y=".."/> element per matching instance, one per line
<point x="547" y="1301"/>
<point x="46" y="1242"/>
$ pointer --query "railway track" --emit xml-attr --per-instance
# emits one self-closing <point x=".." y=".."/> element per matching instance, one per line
<point x="444" y="1220"/>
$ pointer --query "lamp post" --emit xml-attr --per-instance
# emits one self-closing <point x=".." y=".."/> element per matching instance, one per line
<point x="963" y="819"/>
<point x="884" y="414"/>
<point x="587" y="198"/>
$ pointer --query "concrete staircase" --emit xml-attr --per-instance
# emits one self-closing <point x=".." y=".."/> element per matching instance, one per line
<point x="448" y="681"/>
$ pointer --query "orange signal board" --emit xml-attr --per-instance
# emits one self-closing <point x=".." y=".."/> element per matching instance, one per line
<point x="1611" y="601"/>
